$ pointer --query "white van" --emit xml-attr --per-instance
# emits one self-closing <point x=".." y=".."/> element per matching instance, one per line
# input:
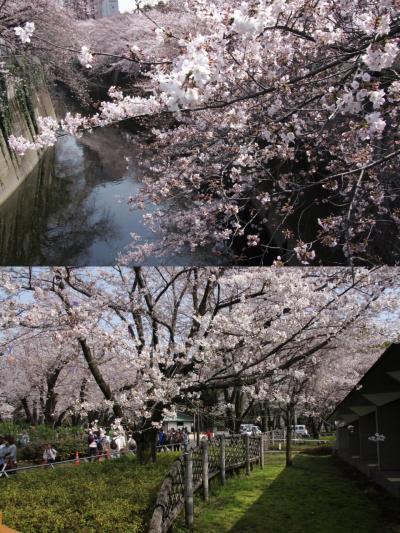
<point x="300" y="431"/>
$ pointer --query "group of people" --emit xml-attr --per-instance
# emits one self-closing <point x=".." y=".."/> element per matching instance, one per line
<point x="173" y="440"/>
<point x="8" y="452"/>
<point x="98" y="443"/>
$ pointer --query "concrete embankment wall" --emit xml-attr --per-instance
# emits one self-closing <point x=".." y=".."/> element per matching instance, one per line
<point x="23" y="98"/>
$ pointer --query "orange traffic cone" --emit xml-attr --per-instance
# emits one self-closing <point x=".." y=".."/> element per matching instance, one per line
<point x="77" y="461"/>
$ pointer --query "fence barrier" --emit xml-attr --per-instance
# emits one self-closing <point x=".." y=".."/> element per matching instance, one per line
<point x="194" y="469"/>
<point x="5" y="472"/>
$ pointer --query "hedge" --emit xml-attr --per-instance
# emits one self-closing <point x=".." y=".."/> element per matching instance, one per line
<point x="112" y="497"/>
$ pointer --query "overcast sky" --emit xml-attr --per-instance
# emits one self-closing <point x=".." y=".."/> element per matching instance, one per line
<point x="125" y="5"/>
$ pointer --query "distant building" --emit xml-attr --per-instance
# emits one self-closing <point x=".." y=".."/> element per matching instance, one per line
<point x="109" y="8"/>
<point x="93" y="8"/>
<point x="180" y="421"/>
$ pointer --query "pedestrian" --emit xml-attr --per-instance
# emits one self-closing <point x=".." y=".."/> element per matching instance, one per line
<point x="9" y="452"/>
<point x="162" y="440"/>
<point x="97" y="436"/>
<point x="92" y="443"/>
<point x="49" y="454"/>
<point x="2" y="447"/>
<point x="132" y="446"/>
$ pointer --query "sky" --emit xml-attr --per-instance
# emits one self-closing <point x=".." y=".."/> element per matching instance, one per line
<point x="125" y="5"/>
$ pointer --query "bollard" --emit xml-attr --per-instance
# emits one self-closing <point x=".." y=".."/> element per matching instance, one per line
<point x="189" y="502"/>
<point x="247" y="442"/>
<point x="204" y="447"/>
<point x="262" y="451"/>
<point x="77" y="461"/>
<point x="222" y="460"/>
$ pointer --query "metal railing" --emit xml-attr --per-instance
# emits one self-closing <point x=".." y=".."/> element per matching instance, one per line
<point x="194" y="469"/>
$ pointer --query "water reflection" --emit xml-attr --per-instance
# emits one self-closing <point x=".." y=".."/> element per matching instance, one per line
<point x="72" y="209"/>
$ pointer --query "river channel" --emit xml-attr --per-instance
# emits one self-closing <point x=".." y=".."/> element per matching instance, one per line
<point x="73" y="209"/>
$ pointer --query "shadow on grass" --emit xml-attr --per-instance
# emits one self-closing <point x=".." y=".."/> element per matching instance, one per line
<point x="315" y="495"/>
<point x="318" y="494"/>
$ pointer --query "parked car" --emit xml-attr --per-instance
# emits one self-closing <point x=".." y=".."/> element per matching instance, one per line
<point x="300" y="431"/>
<point x="249" y="429"/>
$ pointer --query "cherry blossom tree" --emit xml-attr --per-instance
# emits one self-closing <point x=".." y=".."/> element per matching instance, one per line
<point x="154" y="338"/>
<point x="44" y="380"/>
<point x="43" y="30"/>
<point x="276" y="130"/>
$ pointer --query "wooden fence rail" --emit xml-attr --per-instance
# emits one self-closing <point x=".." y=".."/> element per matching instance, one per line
<point x="194" y="469"/>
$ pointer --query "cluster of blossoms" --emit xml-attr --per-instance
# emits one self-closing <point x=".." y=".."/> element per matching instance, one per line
<point x="47" y="137"/>
<point x="86" y="58"/>
<point x="377" y="437"/>
<point x="25" y="33"/>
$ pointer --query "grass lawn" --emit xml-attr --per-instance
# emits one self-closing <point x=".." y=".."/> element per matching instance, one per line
<point x="112" y="497"/>
<point x="317" y="495"/>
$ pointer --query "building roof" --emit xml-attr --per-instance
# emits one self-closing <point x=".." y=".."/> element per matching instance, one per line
<point x="379" y="386"/>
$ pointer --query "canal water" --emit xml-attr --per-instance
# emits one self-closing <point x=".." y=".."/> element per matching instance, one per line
<point x="73" y="209"/>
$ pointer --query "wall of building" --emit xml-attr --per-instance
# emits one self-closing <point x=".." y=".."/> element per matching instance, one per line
<point x="109" y="8"/>
<point x="23" y="98"/>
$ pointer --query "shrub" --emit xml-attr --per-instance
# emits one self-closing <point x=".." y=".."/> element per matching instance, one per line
<point x="112" y="497"/>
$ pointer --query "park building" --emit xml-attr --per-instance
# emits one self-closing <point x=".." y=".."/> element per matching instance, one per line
<point x="180" y="420"/>
<point x="368" y="423"/>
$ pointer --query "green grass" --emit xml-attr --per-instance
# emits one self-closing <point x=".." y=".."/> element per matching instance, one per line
<point x="317" y="494"/>
<point x="111" y="497"/>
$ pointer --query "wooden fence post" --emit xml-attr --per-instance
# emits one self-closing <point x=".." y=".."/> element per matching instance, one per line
<point x="262" y="451"/>
<point x="189" y="502"/>
<point x="247" y="442"/>
<point x="222" y="460"/>
<point x="204" y="446"/>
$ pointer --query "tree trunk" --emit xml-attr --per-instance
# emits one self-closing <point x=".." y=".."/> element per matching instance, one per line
<point x="51" y="396"/>
<point x="29" y="416"/>
<point x="289" y="423"/>
<point x="35" y="416"/>
<point x="315" y="427"/>
<point x="103" y="385"/>
<point x="146" y="441"/>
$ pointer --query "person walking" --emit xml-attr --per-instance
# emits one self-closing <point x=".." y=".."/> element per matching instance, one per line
<point x="162" y="441"/>
<point x="2" y="451"/>
<point x="49" y="454"/>
<point x="9" y="453"/>
<point x="92" y="443"/>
